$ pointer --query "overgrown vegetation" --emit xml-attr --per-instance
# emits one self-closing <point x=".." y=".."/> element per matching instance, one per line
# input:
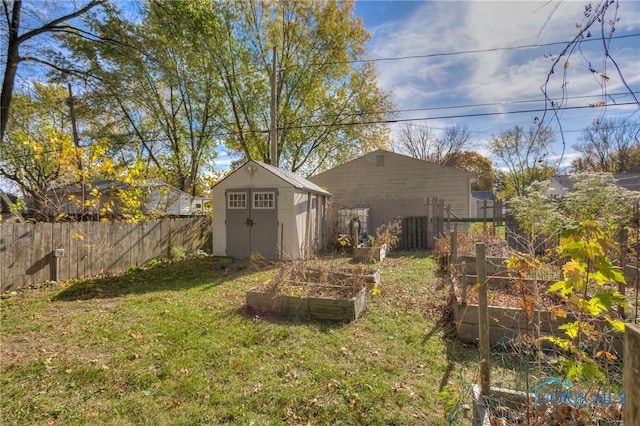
<point x="174" y="345"/>
<point x="574" y="247"/>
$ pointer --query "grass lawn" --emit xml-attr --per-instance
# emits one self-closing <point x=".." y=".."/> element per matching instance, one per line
<point x="174" y="345"/>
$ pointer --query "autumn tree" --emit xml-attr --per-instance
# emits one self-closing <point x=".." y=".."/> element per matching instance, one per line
<point x="15" y="39"/>
<point x="522" y="155"/>
<point x="191" y="76"/>
<point x="430" y="144"/>
<point x="612" y="145"/>
<point x="37" y="153"/>
<point x="474" y="162"/>
<point x="329" y="100"/>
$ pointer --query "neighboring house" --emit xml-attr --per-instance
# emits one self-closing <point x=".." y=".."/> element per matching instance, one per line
<point x="105" y="197"/>
<point x="201" y="205"/>
<point x="561" y="184"/>
<point x="393" y="185"/>
<point x="165" y="199"/>
<point x="484" y="204"/>
<point x="261" y="209"/>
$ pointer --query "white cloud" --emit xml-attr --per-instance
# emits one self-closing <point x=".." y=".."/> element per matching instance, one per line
<point x="500" y="75"/>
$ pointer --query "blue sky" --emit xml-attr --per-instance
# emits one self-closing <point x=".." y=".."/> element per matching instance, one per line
<point x="504" y="76"/>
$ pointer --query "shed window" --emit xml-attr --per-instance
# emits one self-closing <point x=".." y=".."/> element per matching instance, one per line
<point x="237" y="200"/>
<point x="264" y="200"/>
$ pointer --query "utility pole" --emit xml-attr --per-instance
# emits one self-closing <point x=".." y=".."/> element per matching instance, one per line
<point x="76" y="142"/>
<point x="74" y="127"/>
<point x="273" y="134"/>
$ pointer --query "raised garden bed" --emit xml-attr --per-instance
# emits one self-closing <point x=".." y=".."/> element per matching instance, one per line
<point x="368" y="275"/>
<point x="310" y="301"/>
<point x="307" y="290"/>
<point x="505" y="323"/>
<point x="368" y="254"/>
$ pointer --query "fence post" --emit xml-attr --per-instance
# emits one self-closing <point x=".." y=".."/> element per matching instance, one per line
<point x="454" y="244"/>
<point x="623" y="239"/>
<point x="631" y="378"/>
<point x="483" y="318"/>
<point x="448" y="209"/>
<point x="484" y="217"/>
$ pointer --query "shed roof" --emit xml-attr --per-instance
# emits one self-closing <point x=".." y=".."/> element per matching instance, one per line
<point x="291" y="178"/>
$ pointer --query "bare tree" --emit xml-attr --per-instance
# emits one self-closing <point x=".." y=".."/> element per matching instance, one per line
<point x="612" y="145"/>
<point x="424" y="143"/>
<point x="522" y="154"/>
<point x="415" y="141"/>
<point x="15" y="39"/>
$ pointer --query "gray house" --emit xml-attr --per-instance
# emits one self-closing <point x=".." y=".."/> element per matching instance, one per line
<point x="102" y="197"/>
<point x="485" y="202"/>
<point x="392" y="185"/>
<point x="263" y="209"/>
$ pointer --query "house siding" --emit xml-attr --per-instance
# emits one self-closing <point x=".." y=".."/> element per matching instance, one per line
<point x="386" y="175"/>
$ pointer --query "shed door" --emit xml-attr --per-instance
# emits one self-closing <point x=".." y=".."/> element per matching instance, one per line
<point x="252" y="222"/>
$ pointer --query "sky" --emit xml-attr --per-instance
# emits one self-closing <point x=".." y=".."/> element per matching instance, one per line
<point x="473" y="63"/>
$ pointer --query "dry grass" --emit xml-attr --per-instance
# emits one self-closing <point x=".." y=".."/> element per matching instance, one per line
<point x="174" y="345"/>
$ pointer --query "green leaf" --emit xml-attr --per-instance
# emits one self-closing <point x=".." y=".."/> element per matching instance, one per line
<point x="570" y="329"/>
<point x="616" y="324"/>
<point x="559" y="342"/>
<point x="606" y="298"/>
<point x="595" y="307"/>
<point x="563" y="287"/>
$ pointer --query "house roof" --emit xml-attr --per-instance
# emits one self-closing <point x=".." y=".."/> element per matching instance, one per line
<point x="288" y="177"/>
<point x="406" y="158"/>
<point x="100" y="185"/>
<point x="104" y="186"/>
<point x="483" y="195"/>
<point x="629" y="181"/>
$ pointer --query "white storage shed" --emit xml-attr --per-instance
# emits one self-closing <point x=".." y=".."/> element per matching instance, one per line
<point x="266" y="210"/>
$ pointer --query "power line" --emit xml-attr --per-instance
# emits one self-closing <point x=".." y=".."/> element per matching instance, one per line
<point x="465" y="52"/>
<point x="482" y="105"/>
<point x="371" y="122"/>
<point x="480" y="114"/>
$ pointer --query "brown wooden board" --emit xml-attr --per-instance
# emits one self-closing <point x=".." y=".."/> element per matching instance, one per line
<point x="90" y="248"/>
<point x="319" y="308"/>
<point x="42" y="261"/>
<point x="7" y="259"/>
<point x="495" y="265"/>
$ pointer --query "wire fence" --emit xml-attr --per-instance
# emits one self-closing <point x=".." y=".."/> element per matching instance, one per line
<point x="525" y="373"/>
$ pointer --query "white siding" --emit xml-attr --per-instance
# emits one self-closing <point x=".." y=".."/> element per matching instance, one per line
<point x="292" y="211"/>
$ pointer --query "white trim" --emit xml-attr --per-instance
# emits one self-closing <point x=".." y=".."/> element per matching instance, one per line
<point x="269" y="201"/>
<point x="236" y="203"/>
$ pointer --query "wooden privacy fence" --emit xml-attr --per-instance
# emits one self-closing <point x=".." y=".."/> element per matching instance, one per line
<point x="420" y="232"/>
<point x="33" y="253"/>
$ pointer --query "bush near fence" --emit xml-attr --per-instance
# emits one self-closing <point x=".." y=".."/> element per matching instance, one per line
<point x="33" y="253"/>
